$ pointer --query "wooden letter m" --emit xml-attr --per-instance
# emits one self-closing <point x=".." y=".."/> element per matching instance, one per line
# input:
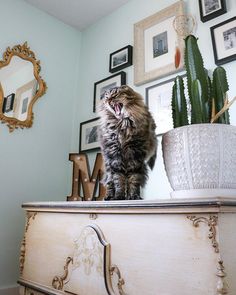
<point x="82" y="178"/>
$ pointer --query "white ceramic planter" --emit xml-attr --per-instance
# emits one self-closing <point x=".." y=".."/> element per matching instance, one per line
<point x="200" y="160"/>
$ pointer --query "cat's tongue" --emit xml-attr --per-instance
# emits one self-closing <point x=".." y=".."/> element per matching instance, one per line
<point x="117" y="109"/>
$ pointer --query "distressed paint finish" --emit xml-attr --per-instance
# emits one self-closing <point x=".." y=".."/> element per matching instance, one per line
<point x="147" y="241"/>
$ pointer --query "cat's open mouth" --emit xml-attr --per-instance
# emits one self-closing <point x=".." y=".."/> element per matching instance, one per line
<point x="117" y="108"/>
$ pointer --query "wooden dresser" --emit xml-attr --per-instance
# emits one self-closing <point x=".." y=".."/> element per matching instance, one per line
<point x="167" y="247"/>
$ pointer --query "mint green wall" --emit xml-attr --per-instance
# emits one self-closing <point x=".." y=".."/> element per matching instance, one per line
<point x="114" y="32"/>
<point x="34" y="162"/>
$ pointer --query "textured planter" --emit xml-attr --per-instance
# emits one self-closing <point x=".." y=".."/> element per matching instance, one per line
<point x="200" y="160"/>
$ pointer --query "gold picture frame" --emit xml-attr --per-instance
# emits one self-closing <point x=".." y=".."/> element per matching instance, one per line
<point x="157" y="44"/>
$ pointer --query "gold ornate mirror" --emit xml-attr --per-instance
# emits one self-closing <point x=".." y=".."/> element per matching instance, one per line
<point x="20" y="86"/>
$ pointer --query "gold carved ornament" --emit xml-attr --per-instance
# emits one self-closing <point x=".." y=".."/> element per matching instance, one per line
<point x="92" y="252"/>
<point x="23" y="52"/>
<point x="58" y="281"/>
<point x="212" y="223"/>
<point x="222" y="287"/>
<point x="29" y="216"/>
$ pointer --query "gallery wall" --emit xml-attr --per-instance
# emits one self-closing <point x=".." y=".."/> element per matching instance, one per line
<point x="34" y="162"/>
<point x="116" y="31"/>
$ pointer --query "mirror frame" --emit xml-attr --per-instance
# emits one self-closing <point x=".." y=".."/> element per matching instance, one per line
<point x="24" y="52"/>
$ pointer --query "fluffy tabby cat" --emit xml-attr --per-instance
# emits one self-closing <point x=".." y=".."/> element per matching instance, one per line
<point x="128" y="142"/>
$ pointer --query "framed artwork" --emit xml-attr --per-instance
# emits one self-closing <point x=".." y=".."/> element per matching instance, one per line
<point x="8" y="103"/>
<point x="210" y="9"/>
<point x="121" y="59"/>
<point x="104" y="85"/>
<point x="158" y="100"/>
<point x="23" y="97"/>
<point x="157" y="44"/>
<point x="89" y="135"/>
<point x="224" y="41"/>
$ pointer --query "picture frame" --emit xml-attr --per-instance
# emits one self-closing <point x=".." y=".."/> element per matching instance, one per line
<point x="223" y="37"/>
<point x="23" y="98"/>
<point x="157" y="45"/>
<point x="121" y="59"/>
<point x="210" y="9"/>
<point x="104" y="85"/>
<point x="8" y="103"/>
<point x="158" y="100"/>
<point x="88" y="136"/>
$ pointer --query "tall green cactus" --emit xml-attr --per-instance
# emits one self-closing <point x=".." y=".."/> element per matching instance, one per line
<point x="179" y="106"/>
<point x="201" y="90"/>
<point x="195" y="71"/>
<point x="219" y="88"/>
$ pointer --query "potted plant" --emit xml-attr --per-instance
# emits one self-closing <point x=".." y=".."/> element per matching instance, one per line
<point x="199" y="156"/>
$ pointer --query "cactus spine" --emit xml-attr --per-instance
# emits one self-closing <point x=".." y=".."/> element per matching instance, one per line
<point x="201" y="90"/>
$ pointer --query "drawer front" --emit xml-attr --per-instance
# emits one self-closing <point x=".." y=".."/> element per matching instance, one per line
<point x="143" y="254"/>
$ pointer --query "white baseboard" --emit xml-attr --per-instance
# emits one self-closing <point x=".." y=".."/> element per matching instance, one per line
<point x="10" y="291"/>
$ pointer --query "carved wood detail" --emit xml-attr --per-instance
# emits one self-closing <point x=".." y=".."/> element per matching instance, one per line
<point x="212" y="223"/>
<point x="58" y="281"/>
<point x="222" y="286"/>
<point x="29" y="216"/>
<point x="91" y="255"/>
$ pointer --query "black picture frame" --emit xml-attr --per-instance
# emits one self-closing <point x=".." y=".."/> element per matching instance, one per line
<point x="8" y="103"/>
<point x="224" y="42"/>
<point x="208" y="15"/>
<point x="120" y="59"/>
<point x="88" y="138"/>
<point x="103" y="85"/>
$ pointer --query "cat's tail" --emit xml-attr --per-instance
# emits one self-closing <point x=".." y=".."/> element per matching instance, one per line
<point x="152" y="160"/>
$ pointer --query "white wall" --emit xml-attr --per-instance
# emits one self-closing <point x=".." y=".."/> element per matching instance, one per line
<point x="34" y="162"/>
<point x="116" y="31"/>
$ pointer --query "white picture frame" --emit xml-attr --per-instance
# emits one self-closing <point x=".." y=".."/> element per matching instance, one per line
<point x="156" y="43"/>
<point x="158" y="100"/>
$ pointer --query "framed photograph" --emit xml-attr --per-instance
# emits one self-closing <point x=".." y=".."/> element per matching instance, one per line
<point x="8" y="103"/>
<point x="121" y="59"/>
<point x="210" y="9"/>
<point x="158" y="100"/>
<point x="104" y="85"/>
<point x="157" y="44"/>
<point x="89" y="136"/>
<point x="224" y="41"/>
<point x="23" y="97"/>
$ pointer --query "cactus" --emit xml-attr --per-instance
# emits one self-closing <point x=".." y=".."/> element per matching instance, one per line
<point x="219" y="88"/>
<point x="200" y="89"/>
<point x="179" y="106"/>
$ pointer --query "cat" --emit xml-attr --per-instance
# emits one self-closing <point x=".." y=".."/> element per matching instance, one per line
<point x="128" y="142"/>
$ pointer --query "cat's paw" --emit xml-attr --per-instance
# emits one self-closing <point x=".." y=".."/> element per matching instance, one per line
<point x="135" y="197"/>
<point x="109" y="198"/>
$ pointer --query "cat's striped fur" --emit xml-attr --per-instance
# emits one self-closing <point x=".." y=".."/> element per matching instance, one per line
<point x="128" y="142"/>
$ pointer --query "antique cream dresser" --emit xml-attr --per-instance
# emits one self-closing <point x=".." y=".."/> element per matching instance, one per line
<point x="163" y="247"/>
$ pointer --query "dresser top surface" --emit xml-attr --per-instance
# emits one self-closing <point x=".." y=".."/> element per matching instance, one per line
<point x="216" y="204"/>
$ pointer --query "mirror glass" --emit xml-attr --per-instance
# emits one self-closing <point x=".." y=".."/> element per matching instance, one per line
<point x="20" y="86"/>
